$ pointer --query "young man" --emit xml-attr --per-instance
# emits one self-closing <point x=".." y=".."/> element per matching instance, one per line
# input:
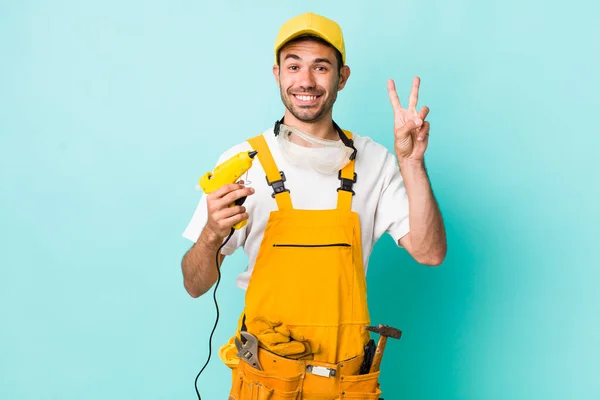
<point x="320" y="197"/>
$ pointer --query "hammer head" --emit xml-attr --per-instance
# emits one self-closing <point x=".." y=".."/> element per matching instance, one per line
<point x="386" y="331"/>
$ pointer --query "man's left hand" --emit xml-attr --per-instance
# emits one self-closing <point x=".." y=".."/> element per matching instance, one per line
<point x="411" y="131"/>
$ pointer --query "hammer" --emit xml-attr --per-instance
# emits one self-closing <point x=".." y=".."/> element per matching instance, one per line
<point x="384" y="332"/>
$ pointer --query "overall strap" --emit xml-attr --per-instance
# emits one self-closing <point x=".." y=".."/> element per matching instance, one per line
<point x="347" y="176"/>
<point x="275" y="178"/>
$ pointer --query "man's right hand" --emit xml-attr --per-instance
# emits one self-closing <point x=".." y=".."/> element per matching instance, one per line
<point x="221" y="217"/>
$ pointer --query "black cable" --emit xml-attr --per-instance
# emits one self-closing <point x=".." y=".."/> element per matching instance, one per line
<point x="217" y="307"/>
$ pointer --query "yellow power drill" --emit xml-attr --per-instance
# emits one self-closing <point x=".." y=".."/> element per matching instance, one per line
<point x="229" y="172"/>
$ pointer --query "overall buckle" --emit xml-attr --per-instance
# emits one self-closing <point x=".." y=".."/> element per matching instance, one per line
<point x="346" y="184"/>
<point x="278" y="186"/>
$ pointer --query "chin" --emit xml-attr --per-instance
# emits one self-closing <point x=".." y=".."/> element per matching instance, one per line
<point x="309" y="118"/>
<point x="303" y="114"/>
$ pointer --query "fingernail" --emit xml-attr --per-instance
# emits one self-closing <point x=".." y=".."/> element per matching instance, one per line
<point x="418" y="121"/>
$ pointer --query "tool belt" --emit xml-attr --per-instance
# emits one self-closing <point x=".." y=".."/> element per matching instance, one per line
<point x="283" y="378"/>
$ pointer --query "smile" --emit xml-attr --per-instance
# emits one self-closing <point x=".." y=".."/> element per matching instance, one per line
<point x="306" y="98"/>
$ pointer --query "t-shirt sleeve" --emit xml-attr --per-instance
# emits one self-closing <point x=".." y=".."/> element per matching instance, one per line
<point x="392" y="212"/>
<point x="200" y="216"/>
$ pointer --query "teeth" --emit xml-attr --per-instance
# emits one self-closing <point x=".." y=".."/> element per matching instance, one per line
<point x="306" y="98"/>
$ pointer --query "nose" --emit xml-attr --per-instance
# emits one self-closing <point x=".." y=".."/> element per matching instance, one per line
<point x="306" y="80"/>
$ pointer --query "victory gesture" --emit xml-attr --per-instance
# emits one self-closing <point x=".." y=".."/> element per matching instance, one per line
<point x="411" y="132"/>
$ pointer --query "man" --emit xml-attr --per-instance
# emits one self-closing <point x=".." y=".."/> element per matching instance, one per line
<point x="320" y="197"/>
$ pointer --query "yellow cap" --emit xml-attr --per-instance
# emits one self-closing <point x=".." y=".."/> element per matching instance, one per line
<point x="313" y="24"/>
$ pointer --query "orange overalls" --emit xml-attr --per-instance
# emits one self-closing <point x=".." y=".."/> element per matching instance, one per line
<point x="306" y="302"/>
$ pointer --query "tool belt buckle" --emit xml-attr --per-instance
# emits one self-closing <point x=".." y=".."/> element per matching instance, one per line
<point x="321" y="371"/>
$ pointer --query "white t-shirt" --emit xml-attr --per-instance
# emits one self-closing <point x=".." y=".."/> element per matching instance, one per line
<point x="380" y="201"/>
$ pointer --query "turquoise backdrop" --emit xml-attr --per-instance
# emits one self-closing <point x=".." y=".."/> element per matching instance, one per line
<point x="111" y="111"/>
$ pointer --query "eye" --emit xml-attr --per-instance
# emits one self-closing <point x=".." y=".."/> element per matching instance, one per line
<point x="293" y="67"/>
<point x="321" y="68"/>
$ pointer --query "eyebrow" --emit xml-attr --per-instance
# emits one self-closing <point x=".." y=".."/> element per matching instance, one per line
<point x="323" y="60"/>
<point x="317" y="60"/>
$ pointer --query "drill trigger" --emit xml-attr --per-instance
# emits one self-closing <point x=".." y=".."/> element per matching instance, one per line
<point x="240" y="201"/>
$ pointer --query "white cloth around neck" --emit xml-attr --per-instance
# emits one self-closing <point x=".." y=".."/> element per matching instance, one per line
<point x="323" y="155"/>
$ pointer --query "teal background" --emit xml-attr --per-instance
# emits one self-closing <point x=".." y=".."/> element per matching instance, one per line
<point x="111" y="111"/>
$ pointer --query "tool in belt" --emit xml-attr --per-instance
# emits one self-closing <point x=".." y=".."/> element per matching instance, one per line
<point x="248" y="351"/>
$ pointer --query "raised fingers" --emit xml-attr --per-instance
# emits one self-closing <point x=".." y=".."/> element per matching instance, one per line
<point x="393" y="95"/>
<point x="413" y="98"/>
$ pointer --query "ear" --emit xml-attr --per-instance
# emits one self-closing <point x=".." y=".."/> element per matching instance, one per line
<point x="276" y="73"/>
<point x="344" y="75"/>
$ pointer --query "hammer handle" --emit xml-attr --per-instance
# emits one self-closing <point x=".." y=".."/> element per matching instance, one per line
<point x="378" y="354"/>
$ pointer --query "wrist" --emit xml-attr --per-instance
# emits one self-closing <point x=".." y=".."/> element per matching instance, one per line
<point x="210" y="238"/>
<point x="410" y="163"/>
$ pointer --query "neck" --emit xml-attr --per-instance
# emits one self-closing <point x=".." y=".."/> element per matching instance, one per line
<point x="323" y="128"/>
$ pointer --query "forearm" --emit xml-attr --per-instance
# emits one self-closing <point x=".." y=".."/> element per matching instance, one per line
<point x="427" y="233"/>
<point x="199" y="264"/>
